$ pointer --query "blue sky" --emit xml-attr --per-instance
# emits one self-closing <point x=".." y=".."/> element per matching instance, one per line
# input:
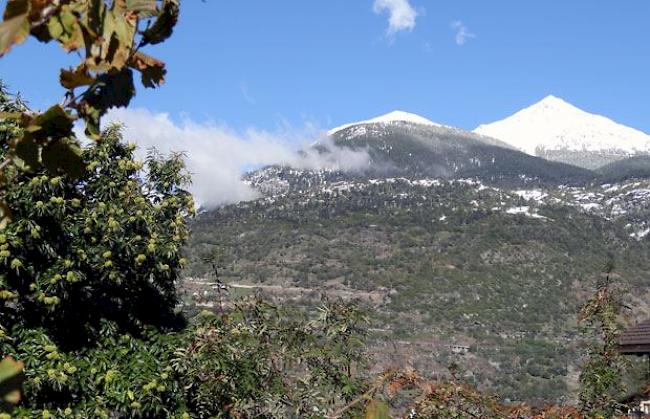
<point x="268" y="64"/>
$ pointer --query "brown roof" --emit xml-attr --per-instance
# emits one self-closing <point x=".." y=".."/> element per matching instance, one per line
<point x="636" y="339"/>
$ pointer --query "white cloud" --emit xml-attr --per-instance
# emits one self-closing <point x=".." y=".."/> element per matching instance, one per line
<point x="401" y="14"/>
<point x="217" y="156"/>
<point x="462" y="33"/>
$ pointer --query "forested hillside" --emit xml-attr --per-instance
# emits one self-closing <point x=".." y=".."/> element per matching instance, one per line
<point x="453" y="271"/>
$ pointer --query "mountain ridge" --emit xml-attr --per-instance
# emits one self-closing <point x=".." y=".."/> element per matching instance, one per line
<point x="413" y="149"/>
<point x="551" y="128"/>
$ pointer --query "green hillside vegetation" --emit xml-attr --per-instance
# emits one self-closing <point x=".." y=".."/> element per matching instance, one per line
<point x="438" y="266"/>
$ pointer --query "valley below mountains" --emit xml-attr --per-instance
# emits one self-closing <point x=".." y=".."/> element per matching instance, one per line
<point x="466" y="250"/>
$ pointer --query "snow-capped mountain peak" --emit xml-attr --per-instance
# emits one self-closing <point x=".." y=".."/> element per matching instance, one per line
<point x="553" y="126"/>
<point x="391" y="117"/>
<point x="551" y="101"/>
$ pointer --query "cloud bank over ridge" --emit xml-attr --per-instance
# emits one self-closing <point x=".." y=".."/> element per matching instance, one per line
<point x="217" y="155"/>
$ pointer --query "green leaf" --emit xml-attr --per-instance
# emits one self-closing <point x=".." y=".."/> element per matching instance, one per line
<point x="94" y="18"/>
<point x="113" y="90"/>
<point x="9" y="368"/>
<point x="63" y="156"/>
<point x="71" y="79"/>
<point x="124" y="30"/>
<point x="5" y="215"/>
<point x="145" y="8"/>
<point x="15" y="28"/>
<point x="13" y="31"/>
<point x="54" y="123"/>
<point x="28" y="153"/>
<point x="65" y="28"/>
<point x="15" y="8"/>
<point x="377" y="409"/>
<point x="164" y="24"/>
<point x="11" y="377"/>
<point x="92" y="118"/>
<point x="152" y="70"/>
<point x="10" y="115"/>
<point x="119" y="33"/>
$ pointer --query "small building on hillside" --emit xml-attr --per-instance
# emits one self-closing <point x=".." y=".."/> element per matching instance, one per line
<point x="636" y="341"/>
<point x="459" y="349"/>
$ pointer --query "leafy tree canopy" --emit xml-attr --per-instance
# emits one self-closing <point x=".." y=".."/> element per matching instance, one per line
<point x="109" y="36"/>
<point x="88" y="270"/>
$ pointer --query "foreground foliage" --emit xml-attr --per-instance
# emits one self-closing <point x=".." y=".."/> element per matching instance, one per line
<point x="87" y="280"/>
<point x="601" y="378"/>
<point x="260" y="361"/>
<point x="88" y="272"/>
<point x="446" y="399"/>
<point x="11" y="376"/>
<point x="109" y="37"/>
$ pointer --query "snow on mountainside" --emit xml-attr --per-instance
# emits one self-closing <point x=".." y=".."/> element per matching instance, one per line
<point x="389" y="118"/>
<point x="403" y="144"/>
<point x="557" y="130"/>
